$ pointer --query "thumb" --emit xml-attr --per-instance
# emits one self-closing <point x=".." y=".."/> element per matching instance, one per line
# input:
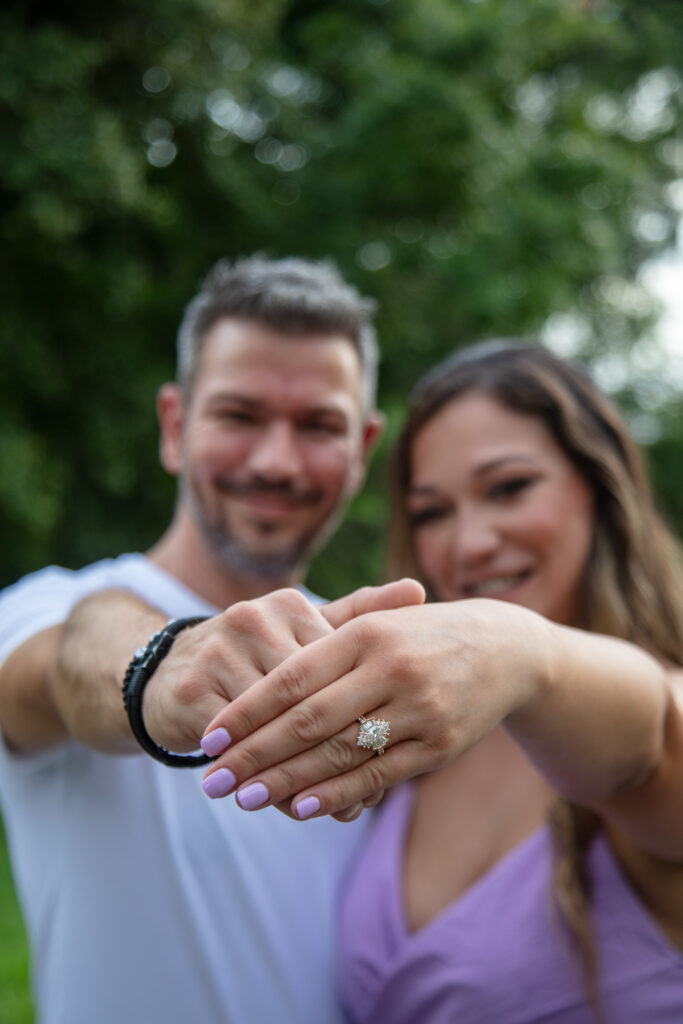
<point x="373" y="599"/>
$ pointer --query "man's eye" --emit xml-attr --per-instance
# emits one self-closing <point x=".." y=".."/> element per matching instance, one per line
<point x="323" y="427"/>
<point x="236" y="416"/>
<point x="508" y="488"/>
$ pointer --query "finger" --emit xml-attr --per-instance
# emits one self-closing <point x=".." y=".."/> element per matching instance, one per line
<point x="300" y="615"/>
<point x="364" y="782"/>
<point x="318" y="735"/>
<point x="350" y="814"/>
<point x="304" y="673"/>
<point x="372" y="801"/>
<point x="263" y="632"/>
<point x="373" y="599"/>
<point x="336" y="756"/>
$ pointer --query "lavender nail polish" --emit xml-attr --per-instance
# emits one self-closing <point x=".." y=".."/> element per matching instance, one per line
<point x="215" y="742"/>
<point x="252" y="796"/>
<point x="306" y="807"/>
<point x="219" y="783"/>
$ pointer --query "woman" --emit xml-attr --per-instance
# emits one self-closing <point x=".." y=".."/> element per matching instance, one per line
<point x="522" y="503"/>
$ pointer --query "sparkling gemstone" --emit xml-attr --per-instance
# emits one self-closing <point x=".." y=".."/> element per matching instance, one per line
<point x="374" y="733"/>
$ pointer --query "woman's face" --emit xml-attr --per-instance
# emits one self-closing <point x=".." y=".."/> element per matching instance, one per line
<point x="498" y="510"/>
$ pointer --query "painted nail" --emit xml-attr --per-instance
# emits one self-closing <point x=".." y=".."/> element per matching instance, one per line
<point x="215" y="742"/>
<point x="306" y="807"/>
<point x="219" y="783"/>
<point x="252" y="796"/>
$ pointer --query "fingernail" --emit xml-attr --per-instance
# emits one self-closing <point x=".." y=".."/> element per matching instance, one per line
<point x="219" y="783"/>
<point x="252" y="796"/>
<point x="306" y="807"/>
<point x="215" y="742"/>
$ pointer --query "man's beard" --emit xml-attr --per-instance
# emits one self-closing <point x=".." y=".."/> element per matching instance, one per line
<point x="235" y="556"/>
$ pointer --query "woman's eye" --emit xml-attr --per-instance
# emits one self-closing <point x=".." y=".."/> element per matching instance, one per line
<point x="426" y="515"/>
<point x="508" y="488"/>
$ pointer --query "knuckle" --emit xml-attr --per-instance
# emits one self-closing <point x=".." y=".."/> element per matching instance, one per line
<point x="339" y="754"/>
<point x="240" y="720"/>
<point x="442" y="741"/>
<point x="408" y="665"/>
<point x="290" y="685"/>
<point x="287" y="781"/>
<point x="246" y="722"/>
<point x="368" y="631"/>
<point x="189" y="689"/>
<point x="429" y="707"/>
<point x="339" y="795"/>
<point x="244" y="616"/>
<point x="250" y="763"/>
<point x="363" y="595"/>
<point x="290" y="599"/>
<point x="213" y="650"/>
<point x="306" y="724"/>
<point x="373" y="775"/>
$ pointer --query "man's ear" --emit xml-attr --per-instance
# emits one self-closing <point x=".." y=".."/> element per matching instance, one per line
<point x="372" y="431"/>
<point x="171" y="416"/>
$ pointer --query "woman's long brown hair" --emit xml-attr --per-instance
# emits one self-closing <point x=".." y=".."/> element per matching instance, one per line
<point x="632" y="586"/>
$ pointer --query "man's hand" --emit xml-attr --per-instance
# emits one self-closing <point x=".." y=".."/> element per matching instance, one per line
<point x="214" y="662"/>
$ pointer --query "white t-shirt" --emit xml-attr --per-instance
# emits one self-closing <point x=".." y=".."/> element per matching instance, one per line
<point x="146" y="902"/>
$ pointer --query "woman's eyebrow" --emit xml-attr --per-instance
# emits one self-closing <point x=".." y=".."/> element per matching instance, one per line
<point x="424" y="490"/>
<point x="486" y="467"/>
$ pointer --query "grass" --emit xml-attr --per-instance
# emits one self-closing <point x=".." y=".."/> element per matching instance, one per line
<point x="15" y="1000"/>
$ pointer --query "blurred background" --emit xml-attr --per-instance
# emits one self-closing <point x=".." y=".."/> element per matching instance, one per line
<point x="481" y="167"/>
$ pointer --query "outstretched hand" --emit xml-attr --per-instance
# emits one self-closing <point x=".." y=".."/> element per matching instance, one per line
<point x="442" y="675"/>
<point x="214" y="662"/>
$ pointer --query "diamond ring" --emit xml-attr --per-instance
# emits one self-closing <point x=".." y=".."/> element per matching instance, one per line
<point x="374" y="733"/>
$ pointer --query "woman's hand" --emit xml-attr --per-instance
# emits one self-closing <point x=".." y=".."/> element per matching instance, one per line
<point x="442" y="675"/>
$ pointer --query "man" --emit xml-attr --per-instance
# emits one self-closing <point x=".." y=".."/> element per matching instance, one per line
<point x="144" y="900"/>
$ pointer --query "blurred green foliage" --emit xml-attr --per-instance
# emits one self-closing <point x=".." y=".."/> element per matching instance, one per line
<point x="477" y="166"/>
<point x="15" y="1002"/>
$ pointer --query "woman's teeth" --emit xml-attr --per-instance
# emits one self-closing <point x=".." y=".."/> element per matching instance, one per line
<point x="495" y="586"/>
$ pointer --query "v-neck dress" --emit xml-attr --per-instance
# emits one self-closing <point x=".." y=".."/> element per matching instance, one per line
<point x="499" y="954"/>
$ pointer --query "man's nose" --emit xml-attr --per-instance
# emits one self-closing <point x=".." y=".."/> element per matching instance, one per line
<point x="276" y="453"/>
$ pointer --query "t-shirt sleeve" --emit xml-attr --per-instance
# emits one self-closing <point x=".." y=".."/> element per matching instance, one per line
<point x="40" y="600"/>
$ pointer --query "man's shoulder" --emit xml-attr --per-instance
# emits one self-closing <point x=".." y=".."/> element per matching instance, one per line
<point x="44" y="598"/>
<point x="55" y="578"/>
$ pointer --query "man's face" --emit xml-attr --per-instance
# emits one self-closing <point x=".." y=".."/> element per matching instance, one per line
<point x="271" y="443"/>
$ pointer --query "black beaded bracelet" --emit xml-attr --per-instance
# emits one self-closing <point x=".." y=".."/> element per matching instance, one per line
<point x="138" y="674"/>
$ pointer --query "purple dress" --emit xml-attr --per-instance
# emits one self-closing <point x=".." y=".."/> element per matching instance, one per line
<point x="499" y="954"/>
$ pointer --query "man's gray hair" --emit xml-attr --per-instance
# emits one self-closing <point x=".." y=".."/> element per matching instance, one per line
<point x="293" y="296"/>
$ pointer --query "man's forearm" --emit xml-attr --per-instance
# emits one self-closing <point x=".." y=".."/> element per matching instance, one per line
<point x="65" y="682"/>
<point x="98" y="642"/>
<point x="29" y="719"/>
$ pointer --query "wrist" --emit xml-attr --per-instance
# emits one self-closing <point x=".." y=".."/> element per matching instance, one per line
<point x="539" y="642"/>
<point x="140" y="671"/>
